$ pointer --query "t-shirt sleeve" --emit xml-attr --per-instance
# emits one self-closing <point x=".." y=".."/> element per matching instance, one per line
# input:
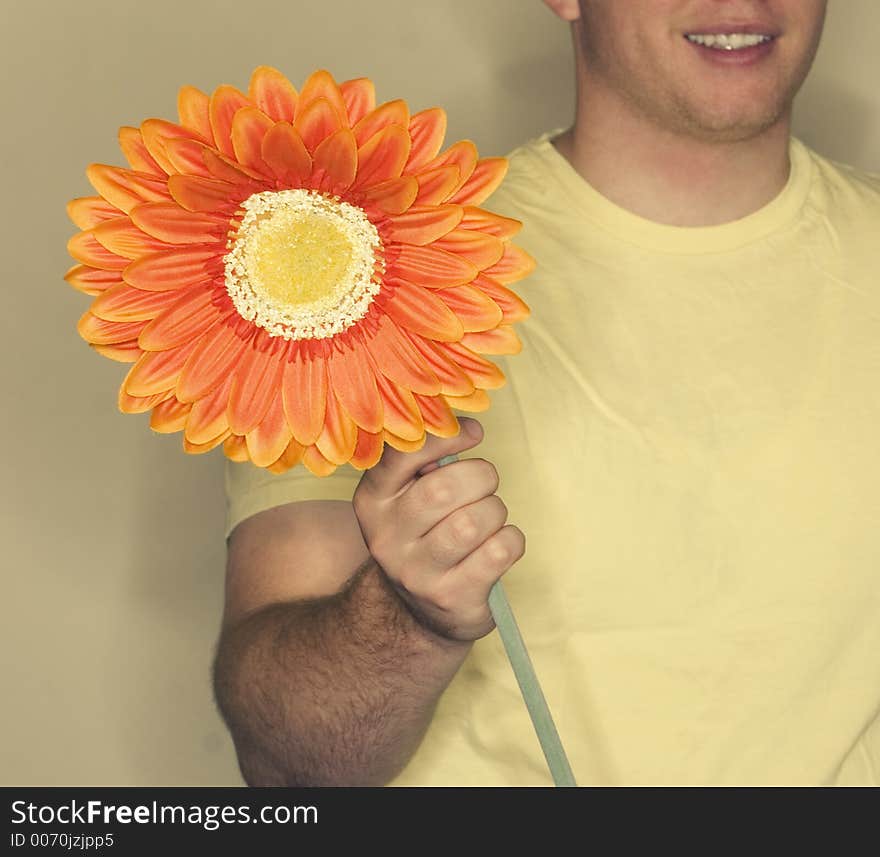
<point x="251" y="489"/>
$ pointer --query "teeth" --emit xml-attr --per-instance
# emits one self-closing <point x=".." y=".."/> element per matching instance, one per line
<point x="727" y="42"/>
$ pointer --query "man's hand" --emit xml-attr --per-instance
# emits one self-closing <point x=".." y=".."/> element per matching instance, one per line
<point x="439" y="533"/>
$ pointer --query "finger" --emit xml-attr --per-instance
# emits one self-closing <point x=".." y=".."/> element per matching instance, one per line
<point x="396" y="470"/>
<point x="431" y="498"/>
<point x="459" y="534"/>
<point x="469" y="582"/>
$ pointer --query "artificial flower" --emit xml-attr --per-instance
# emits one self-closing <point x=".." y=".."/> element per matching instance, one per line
<point x="298" y="276"/>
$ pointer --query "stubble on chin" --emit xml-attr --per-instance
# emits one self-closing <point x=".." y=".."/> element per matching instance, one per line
<point x="684" y="116"/>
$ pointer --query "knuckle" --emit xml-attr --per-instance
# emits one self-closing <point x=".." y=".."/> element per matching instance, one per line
<point x="464" y="527"/>
<point x="438" y="491"/>
<point x="498" y="552"/>
<point x="506" y="546"/>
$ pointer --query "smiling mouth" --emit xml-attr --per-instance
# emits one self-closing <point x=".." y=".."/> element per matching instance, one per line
<point x="728" y="41"/>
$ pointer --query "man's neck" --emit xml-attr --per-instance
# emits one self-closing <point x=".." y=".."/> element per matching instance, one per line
<point x="671" y="178"/>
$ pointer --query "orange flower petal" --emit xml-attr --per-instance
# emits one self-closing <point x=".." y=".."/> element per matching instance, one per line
<point x="286" y="154"/>
<point x="383" y="156"/>
<point x="141" y="404"/>
<point x="198" y="449"/>
<point x="211" y="362"/>
<point x="427" y="129"/>
<point x="229" y="170"/>
<point x="157" y="371"/>
<point x="354" y="384"/>
<point x="368" y="449"/>
<point x="270" y="438"/>
<point x="393" y="196"/>
<point x="473" y="308"/>
<point x="188" y="317"/>
<point x="402" y="445"/>
<point x="207" y="419"/>
<point x="256" y="382"/>
<point x="122" y="237"/>
<point x="484" y="374"/>
<point x="125" y="188"/>
<point x="249" y="127"/>
<point x="401" y="414"/>
<point x="474" y="403"/>
<point x="502" y="340"/>
<point x="156" y="133"/>
<point x="169" y="416"/>
<point x="171" y="269"/>
<point x="487" y="221"/>
<point x="339" y="435"/>
<point x="235" y="448"/>
<point x="225" y="100"/>
<point x="390" y="113"/>
<point x="84" y="248"/>
<point x="196" y="193"/>
<point x="124" y="303"/>
<point x="431" y="267"/>
<point x="513" y="265"/>
<point x="337" y="160"/>
<point x="453" y="381"/>
<point x="419" y="311"/>
<point x="273" y="93"/>
<point x="320" y="86"/>
<point x="92" y="281"/>
<point x="512" y="305"/>
<point x="100" y="332"/>
<point x="359" y="96"/>
<point x="187" y="157"/>
<point x="486" y="177"/>
<point x="423" y="224"/>
<point x="122" y="352"/>
<point x="316" y="463"/>
<point x="480" y="249"/>
<point x="462" y="154"/>
<point x="89" y="211"/>
<point x="397" y="359"/>
<point x="316" y="123"/>
<point x="438" y="416"/>
<point x="437" y="184"/>
<point x="137" y="154"/>
<point x="194" y="112"/>
<point x="168" y="222"/>
<point x="289" y="458"/>
<point x="304" y="392"/>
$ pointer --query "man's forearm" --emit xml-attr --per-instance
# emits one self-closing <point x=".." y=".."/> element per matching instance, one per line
<point x="332" y="691"/>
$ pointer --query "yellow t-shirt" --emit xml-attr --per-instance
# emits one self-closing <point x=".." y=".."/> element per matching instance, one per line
<point x="690" y="440"/>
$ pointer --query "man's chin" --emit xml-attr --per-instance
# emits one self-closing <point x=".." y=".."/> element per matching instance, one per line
<point x="730" y="129"/>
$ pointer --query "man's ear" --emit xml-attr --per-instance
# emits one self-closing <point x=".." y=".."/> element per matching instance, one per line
<point x="568" y="10"/>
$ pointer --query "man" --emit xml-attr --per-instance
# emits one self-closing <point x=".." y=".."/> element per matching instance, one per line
<point x="688" y="440"/>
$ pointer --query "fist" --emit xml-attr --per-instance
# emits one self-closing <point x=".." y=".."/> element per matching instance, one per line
<point x="440" y="534"/>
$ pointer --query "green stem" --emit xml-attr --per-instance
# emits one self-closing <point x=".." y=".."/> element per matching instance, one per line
<point x="527" y="679"/>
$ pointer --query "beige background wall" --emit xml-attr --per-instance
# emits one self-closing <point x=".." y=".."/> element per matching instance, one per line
<point x="112" y="538"/>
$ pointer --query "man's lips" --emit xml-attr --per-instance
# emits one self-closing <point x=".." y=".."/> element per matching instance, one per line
<point x="733" y="42"/>
<point x="753" y="27"/>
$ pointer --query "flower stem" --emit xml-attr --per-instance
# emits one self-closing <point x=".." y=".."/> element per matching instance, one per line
<point x="527" y="679"/>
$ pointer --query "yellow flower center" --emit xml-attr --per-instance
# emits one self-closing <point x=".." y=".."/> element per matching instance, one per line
<point x="302" y="265"/>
